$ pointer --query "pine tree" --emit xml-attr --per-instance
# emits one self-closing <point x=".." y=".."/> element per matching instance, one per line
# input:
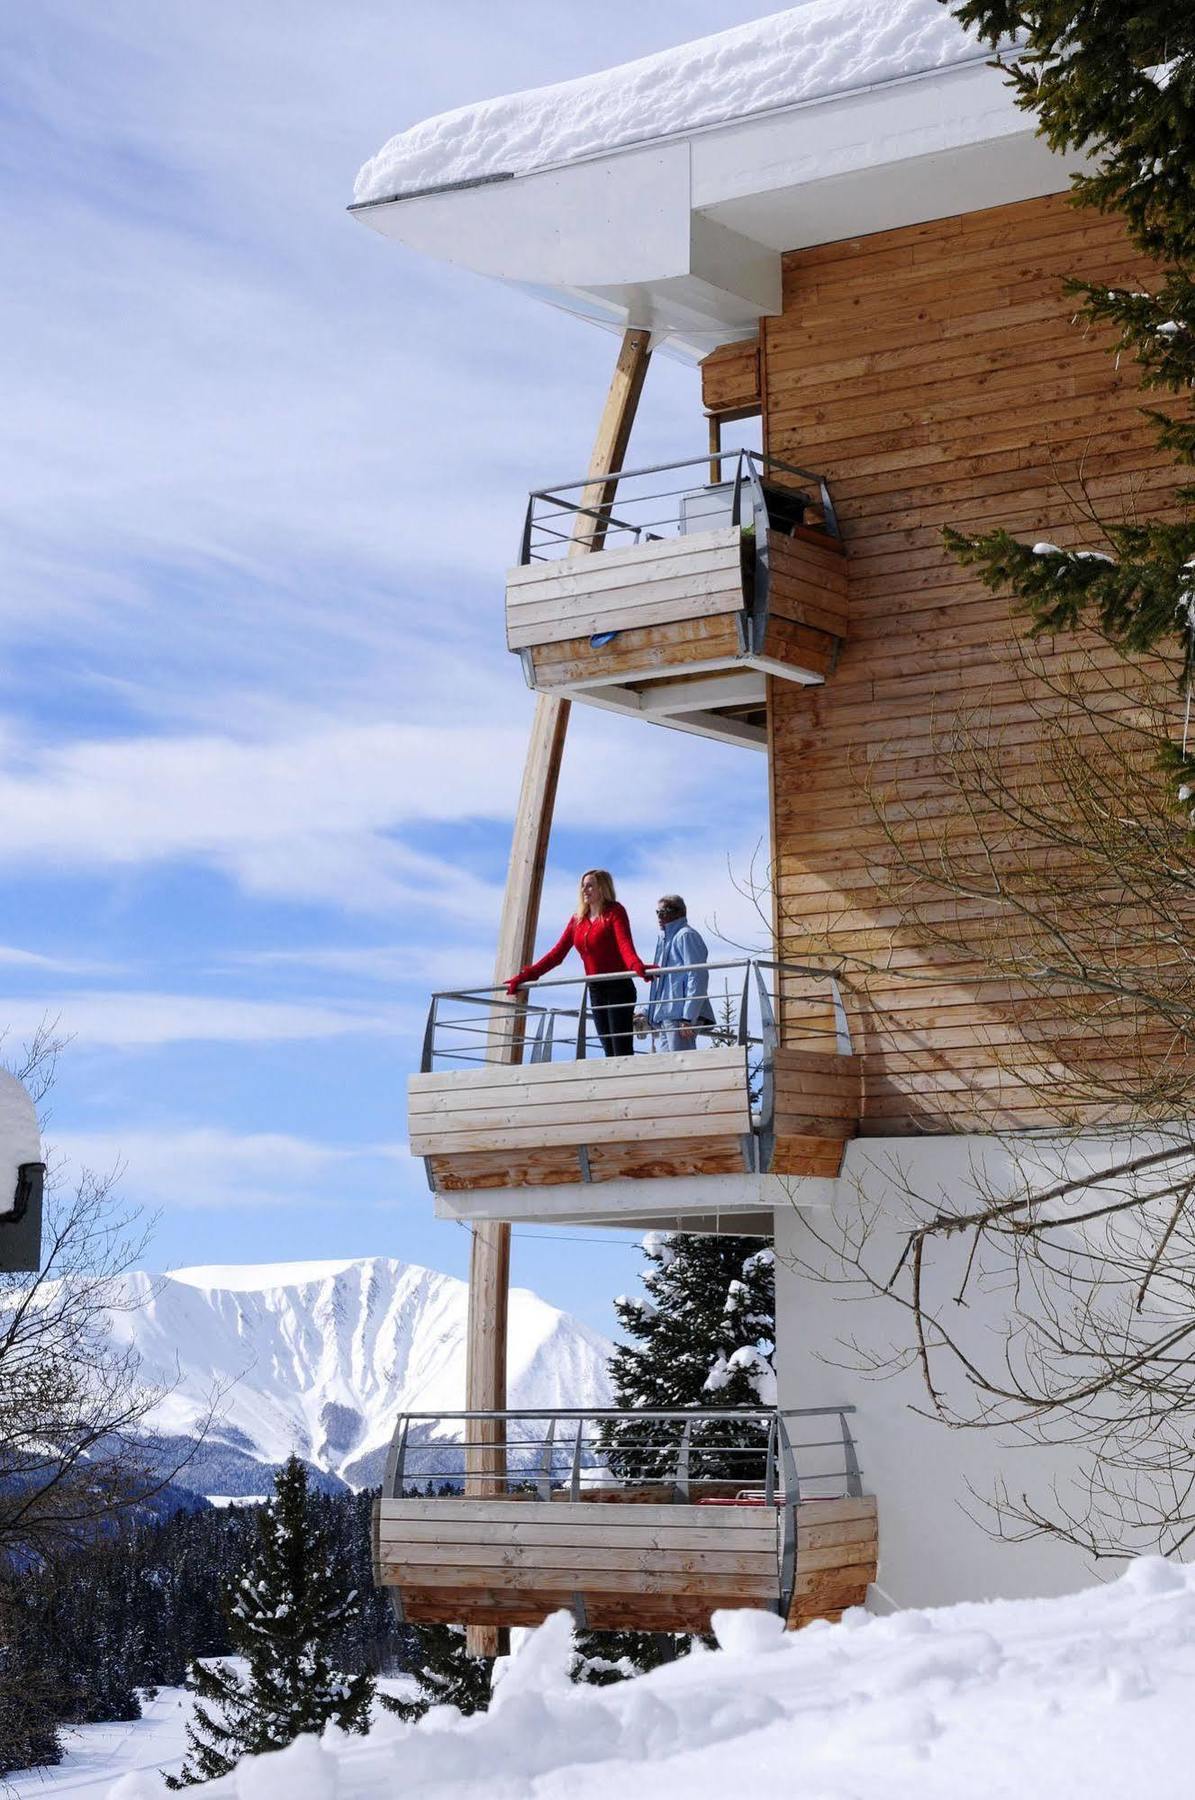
<point x="704" y="1336"/>
<point x="281" y="1615"/>
<point x="446" y="1673"/>
<point x="1116" y="78"/>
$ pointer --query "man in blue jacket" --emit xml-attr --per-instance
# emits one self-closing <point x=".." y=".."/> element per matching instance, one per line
<point x="678" y="1004"/>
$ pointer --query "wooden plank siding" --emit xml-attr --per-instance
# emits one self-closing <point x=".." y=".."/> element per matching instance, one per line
<point x="689" y="577"/>
<point x="680" y="605"/>
<point x="935" y="376"/>
<point x="674" y="1113"/>
<point x="647" y="1566"/>
<point x="730" y="380"/>
<point x="680" y="1112"/>
<point x="816" y="1106"/>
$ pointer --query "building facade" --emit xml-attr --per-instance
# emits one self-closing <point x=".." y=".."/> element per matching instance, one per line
<point x="875" y="269"/>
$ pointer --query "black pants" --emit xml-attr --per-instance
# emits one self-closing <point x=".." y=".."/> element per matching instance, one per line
<point x="612" y="1004"/>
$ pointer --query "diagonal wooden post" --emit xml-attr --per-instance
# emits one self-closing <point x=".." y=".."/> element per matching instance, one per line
<point x="489" y="1264"/>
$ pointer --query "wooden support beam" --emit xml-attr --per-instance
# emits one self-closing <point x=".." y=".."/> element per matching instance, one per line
<point x="489" y="1264"/>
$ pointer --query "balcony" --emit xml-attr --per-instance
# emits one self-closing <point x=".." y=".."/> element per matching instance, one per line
<point x="647" y="1521"/>
<point x="713" y="575"/>
<point x="516" y="1093"/>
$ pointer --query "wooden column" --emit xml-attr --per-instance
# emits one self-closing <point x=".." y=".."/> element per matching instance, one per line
<point x="489" y="1265"/>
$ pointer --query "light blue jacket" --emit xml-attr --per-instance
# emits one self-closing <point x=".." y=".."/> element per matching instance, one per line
<point x="678" y="998"/>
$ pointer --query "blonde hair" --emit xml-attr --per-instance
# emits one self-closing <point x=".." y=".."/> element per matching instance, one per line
<point x="605" y="888"/>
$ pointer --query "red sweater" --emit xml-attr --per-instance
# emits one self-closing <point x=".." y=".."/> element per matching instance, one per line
<point x="604" y="944"/>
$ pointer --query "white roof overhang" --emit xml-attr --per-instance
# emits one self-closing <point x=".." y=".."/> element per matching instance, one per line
<point x="682" y="236"/>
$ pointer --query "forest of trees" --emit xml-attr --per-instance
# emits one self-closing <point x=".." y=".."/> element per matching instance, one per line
<point x="88" y="1630"/>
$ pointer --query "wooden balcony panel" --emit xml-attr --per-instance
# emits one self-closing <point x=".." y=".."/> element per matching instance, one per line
<point x="817" y="1101"/>
<point x="659" y="583"/>
<point x="837" y="1558"/>
<point x="807" y="580"/>
<point x="637" y="655"/>
<point x="730" y="381"/>
<point x="641" y="1566"/>
<point x="683" y="608"/>
<point x="519" y="1125"/>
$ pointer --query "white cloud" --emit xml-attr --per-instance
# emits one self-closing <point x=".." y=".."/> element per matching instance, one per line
<point x="316" y="815"/>
<point x="35" y="962"/>
<point x="207" y="1167"/>
<point x="131" y="1020"/>
<point x="426" y="966"/>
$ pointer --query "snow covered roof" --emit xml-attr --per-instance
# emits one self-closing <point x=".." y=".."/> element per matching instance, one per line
<point x="659" y="193"/>
<point x="823" y="48"/>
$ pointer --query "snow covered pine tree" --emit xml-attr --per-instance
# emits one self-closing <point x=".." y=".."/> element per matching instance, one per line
<point x="446" y="1673"/>
<point x="281" y="1614"/>
<point x="704" y="1336"/>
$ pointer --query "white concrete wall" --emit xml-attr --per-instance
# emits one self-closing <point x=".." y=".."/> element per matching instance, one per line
<point x="931" y="1551"/>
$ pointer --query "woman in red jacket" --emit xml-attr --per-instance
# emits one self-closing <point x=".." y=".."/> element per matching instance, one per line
<point x="601" y="932"/>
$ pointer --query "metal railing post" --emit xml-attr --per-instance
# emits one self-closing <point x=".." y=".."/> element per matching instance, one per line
<point x="680" y="1480"/>
<point x="528" y="522"/>
<point x="842" y="1028"/>
<point x="544" y="1484"/>
<point x="854" y="1475"/>
<point x="429" y="1037"/>
<point x="788" y="1463"/>
<point x="744" y="1004"/>
<point x="574" y="1486"/>
<point x="581" y="1023"/>
<point x="396" y="1458"/>
<point x="769" y="1479"/>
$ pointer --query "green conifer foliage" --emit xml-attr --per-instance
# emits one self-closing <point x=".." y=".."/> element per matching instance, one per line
<point x="446" y="1673"/>
<point x="704" y="1336"/>
<point x="282" y="1613"/>
<point x="1116" y="79"/>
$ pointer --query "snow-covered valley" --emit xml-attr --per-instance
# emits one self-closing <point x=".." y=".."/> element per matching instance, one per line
<point x="319" y="1358"/>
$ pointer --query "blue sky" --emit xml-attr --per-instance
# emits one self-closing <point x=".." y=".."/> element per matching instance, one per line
<point x="261" y="473"/>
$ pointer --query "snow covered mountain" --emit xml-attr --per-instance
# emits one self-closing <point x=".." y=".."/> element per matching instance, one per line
<point x="319" y="1358"/>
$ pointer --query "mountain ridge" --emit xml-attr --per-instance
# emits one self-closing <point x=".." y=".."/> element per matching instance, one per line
<point x="319" y="1358"/>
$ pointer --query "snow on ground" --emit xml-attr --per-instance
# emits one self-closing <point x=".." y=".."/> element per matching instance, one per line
<point x="132" y="1757"/>
<point x="99" y="1756"/>
<point x="809" y="53"/>
<point x="1083" y="1698"/>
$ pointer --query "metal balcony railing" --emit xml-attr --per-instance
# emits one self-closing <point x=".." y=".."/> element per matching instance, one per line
<point x="551" y="1020"/>
<point x="624" y="508"/>
<point x="774" y="1459"/>
<point x="769" y="1455"/>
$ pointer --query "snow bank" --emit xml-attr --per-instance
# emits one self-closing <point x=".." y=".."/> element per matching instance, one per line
<point x="1085" y="1698"/>
<point x="826" y="47"/>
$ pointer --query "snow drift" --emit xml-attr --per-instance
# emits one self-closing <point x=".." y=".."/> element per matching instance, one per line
<point x="808" y="53"/>
<point x="1084" y="1698"/>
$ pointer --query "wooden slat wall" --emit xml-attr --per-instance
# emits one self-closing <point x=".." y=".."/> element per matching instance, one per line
<point x="933" y="374"/>
<point x="654" y="1567"/>
<point x="837" y="1556"/>
<point x="690" y="577"/>
<point x="681" y="1112"/>
<point x="730" y="379"/>
<point x="648" y="650"/>
<point x="807" y="582"/>
<point x="816" y="1099"/>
